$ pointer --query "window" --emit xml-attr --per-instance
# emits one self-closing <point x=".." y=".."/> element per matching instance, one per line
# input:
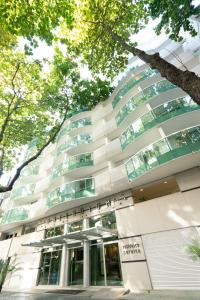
<point x="106" y="221"/>
<point x="54" y="231"/>
<point x="75" y="226"/>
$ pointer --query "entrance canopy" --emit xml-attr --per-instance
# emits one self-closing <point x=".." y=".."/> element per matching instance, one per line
<point x="74" y="237"/>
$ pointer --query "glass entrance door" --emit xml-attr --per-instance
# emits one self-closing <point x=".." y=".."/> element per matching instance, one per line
<point x="112" y="264"/>
<point x="50" y="267"/>
<point x="76" y="266"/>
<point x="105" y="266"/>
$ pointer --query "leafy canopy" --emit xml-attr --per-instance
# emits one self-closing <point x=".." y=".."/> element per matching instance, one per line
<point x="95" y="19"/>
<point x="34" y="18"/>
<point x="34" y="102"/>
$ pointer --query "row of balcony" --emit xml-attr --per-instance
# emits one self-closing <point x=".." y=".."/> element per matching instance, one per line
<point x="175" y="145"/>
<point x="179" y="144"/>
<point x="143" y="96"/>
<point x="158" y="115"/>
<point x="74" y="125"/>
<point x="131" y="83"/>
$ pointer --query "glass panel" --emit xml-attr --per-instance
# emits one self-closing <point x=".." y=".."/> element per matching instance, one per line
<point x="50" y="268"/>
<point x="158" y="115"/>
<point x="97" y="276"/>
<point x="112" y="261"/>
<point x="109" y="221"/>
<point x="75" y="226"/>
<point x="55" y="267"/>
<point x="44" y="268"/>
<point x="175" y="145"/>
<point x="76" y="266"/>
<point x="131" y="83"/>
<point x="145" y="95"/>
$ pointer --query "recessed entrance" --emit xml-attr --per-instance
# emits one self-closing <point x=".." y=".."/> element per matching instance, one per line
<point x="76" y="266"/>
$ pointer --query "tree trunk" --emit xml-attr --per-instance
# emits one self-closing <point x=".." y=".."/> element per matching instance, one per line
<point x="188" y="81"/>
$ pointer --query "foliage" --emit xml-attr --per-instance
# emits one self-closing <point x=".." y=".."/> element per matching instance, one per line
<point x="193" y="250"/>
<point x="35" y="18"/>
<point x="34" y="102"/>
<point x="6" y="268"/>
<point x="174" y="16"/>
<point x="94" y="20"/>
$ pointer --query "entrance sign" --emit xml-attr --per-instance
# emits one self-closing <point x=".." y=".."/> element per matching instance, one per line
<point x="131" y="249"/>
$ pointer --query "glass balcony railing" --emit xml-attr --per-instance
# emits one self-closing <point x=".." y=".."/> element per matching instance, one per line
<point x="23" y="191"/>
<point x="143" y="96"/>
<point x="71" y="191"/>
<point x="30" y="171"/>
<point x="131" y="83"/>
<point x="175" y="145"/>
<point x="74" y="125"/>
<point x="82" y="138"/>
<point x="158" y="115"/>
<point x="74" y="162"/>
<point x="15" y="215"/>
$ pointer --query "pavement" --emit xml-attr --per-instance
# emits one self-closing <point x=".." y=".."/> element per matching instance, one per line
<point x="88" y="295"/>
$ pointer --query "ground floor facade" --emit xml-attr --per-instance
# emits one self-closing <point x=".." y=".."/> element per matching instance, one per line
<point x="123" y="240"/>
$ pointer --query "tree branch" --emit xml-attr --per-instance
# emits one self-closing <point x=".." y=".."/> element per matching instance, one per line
<point x="9" y="187"/>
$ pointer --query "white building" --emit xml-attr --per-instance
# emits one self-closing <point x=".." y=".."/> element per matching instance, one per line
<point x="117" y="198"/>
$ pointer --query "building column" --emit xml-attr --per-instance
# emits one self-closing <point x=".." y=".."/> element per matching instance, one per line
<point x="86" y="257"/>
<point x="64" y="267"/>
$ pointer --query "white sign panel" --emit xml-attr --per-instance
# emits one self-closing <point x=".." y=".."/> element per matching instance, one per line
<point x="131" y="249"/>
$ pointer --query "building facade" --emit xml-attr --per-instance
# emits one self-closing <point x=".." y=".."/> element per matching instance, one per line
<point x="116" y="200"/>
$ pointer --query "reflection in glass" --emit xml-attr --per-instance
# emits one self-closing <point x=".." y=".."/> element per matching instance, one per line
<point x="50" y="268"/>
<point x="158" y="115"/>
<point x="171" y="147"/>
<point x="97" y="265"/>
<point x="112" y="262"/>
<point x="76" y="266"/>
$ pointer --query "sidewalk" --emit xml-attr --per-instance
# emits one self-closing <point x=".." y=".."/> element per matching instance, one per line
<point x="97" y="294"/>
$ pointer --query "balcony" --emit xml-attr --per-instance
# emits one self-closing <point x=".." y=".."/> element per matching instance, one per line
<point x="131" y="83"/>
<point x="80" y="139"/>
<point x="16" y="214"/>
<point x="74" y="125"/>
<point x="158" y="115"/>
<point x="30" y="171"/>
<point x="175" y="145"/>
<point x="22" y="192"/>
<point x="143" y="96"/>
<point x="74" y="162"/>
<point x="74" y="190"/>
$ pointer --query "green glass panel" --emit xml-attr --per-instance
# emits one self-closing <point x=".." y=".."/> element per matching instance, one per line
<point x="24" y="191"/>
<point x="83" y="138"/>
<point x="131" y="83"/>
<point x="70" y="191"/>
<point x="148" y="93"/>
<point x="158" y="115"/>
<point x="14" y="215"/>
<point x="74" y="125"/>
<point x="172" y="147"/>
<point x="30" y="171"/>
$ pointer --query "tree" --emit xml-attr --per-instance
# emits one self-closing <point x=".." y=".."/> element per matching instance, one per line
<point x="34" y="105"/>
<point x="193" y="250"/>
<point x="103" y="28"/>
<point x="7" y="267"/>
